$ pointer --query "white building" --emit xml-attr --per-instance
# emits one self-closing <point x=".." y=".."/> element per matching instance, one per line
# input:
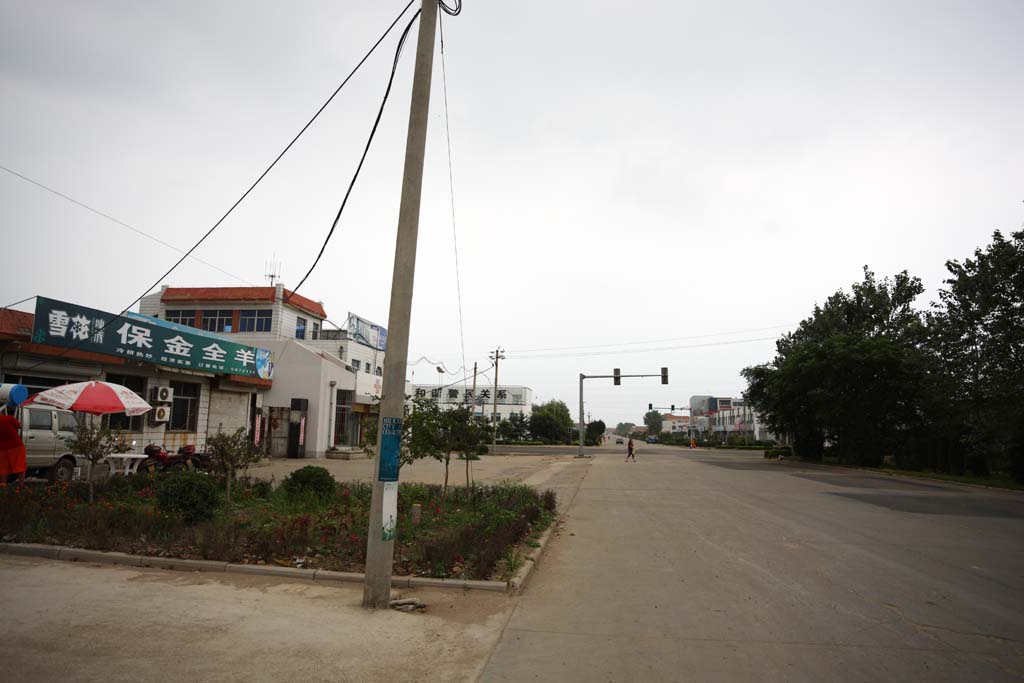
<point x="327" y="380"/>
<point x="675" y="424"/>
<point x="511" y="399"/>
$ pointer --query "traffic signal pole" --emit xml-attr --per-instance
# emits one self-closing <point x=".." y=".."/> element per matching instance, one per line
<point x="380" y="542"/>
<point x="616" y="376"/>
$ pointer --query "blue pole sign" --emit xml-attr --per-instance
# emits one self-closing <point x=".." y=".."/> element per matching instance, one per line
<point x="390" y="446"/>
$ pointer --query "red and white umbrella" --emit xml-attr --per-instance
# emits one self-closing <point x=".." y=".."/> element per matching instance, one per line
<point x="98" y="398"/>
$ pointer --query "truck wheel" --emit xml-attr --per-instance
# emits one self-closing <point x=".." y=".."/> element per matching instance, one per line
<point x="64" y="470"/>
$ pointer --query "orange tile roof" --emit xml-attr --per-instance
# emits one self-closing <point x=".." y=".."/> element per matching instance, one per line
<point x="240" y="295"/>
<point x="15" y="324"/>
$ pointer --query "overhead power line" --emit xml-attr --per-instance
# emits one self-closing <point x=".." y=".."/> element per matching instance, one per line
<point x="117" y="221"/>
<point x="451" y="183"/>
<point x="362" y="159"/>
<point x="254" y="184"/>
<point x="625" y="351"/>
<point x="653" y="341"/>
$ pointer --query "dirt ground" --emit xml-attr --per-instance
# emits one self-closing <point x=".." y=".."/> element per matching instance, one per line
<point x="489" y="469"/>
<point x="84" y="622"/>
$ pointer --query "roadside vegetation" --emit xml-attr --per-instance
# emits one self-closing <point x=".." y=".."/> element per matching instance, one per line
<point x="310" y="520"/>
<point x="869" y="380"/>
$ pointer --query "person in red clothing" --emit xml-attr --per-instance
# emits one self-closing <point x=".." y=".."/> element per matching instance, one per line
<point x="12" y="450"/>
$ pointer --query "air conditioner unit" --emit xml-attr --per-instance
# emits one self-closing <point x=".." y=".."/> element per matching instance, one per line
<point x="160" y="414"/>
<point x="161" y="395"/>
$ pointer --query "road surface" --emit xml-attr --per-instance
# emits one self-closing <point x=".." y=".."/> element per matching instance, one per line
<point x="705" y="565"/>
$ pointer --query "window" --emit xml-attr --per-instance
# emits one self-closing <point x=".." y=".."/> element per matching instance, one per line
<point x="40" y="419"/>
<point x="182" y="317"/>
<point x="367" y="367"/>
<point x="300" y="328"/>
<point x="185" y="408"/>
<point x="255" y="321"/>
<point x="355" y="365"/>
<point x="120" y="421"/>
<point x="218" y="320"/>
<point x="316" y="331"/>
<point x="379" y="372"/>
<point x="66" y="422"/>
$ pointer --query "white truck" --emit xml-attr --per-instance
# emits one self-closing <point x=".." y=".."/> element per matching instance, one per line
<point x="44" y="431"/>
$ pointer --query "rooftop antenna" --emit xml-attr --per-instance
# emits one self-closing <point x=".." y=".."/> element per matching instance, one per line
<point x="273" y="270"/>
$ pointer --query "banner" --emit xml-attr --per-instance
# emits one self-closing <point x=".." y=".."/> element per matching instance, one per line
<point x="141" y="338"/>
<point x="366" y="332"/>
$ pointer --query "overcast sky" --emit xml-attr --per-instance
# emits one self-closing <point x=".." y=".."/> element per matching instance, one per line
<point x="701" y="173"/>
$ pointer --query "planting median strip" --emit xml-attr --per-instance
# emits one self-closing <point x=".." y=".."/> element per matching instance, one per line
<point x="56" y="552"/>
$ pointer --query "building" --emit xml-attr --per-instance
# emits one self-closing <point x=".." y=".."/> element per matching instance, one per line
<point x="198" y="382"/>
<point x="511" y="399"/>
<point x="328" y="380"/>
<point x="675" y="424"/>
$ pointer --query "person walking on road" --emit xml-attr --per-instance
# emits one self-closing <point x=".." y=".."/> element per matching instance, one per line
<point x="630" y="452"/>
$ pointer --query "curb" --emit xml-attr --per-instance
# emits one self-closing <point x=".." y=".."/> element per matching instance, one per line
<point x="897" y="475"/>
<point x="518" y="582"/>
<point x="57" y="552"/>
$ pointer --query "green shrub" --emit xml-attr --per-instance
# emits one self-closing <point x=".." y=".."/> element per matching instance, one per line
<point x="192" y="494"/>
<point x="783" y="452"/>
<point x="310" y="480"/>
<point x="549" y="500"/>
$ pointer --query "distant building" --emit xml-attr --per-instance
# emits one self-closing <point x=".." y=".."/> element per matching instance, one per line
<point x="675" y="424"/>
<point x="511" y="398"/>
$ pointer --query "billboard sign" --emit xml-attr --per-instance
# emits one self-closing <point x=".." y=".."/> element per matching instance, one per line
<point x="146" y="339"/>
<point x="366" y="332"/>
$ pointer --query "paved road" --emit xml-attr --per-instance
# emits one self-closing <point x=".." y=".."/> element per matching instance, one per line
<point x="700" y="565"/>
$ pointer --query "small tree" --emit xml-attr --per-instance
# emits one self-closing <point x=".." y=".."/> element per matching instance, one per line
<point x="93" y="443"/>
<point x="520" y="427"/>
<point x="232" y="452"/>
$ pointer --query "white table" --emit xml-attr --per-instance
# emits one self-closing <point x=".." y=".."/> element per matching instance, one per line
<point x="125" y="463"/>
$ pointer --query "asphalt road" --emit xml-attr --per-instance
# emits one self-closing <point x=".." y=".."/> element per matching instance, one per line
<point x="704" y="565"/>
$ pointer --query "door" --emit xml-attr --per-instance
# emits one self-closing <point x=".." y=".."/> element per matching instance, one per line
<point x="39" y="435"/>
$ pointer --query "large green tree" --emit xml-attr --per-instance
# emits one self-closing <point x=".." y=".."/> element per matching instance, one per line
<point x="551" y="421"/>
<point x="977" y="338"/>
<point x="653" y="420"/>
<point x="624" y="428"/>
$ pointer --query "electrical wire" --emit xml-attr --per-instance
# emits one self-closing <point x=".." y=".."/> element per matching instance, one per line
<point x="625" y="351"/>
<point x="653" y="341"/>
<point x="251" y="187"/>
<point x="119" y="222"/>
<point x="451" y="185"/>
<point x="366" y="150"/>
<point x="20" y="302"/>
<point x="451" y="11"/>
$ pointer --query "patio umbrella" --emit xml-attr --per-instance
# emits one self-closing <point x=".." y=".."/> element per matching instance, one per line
<point x="97" y="398"/>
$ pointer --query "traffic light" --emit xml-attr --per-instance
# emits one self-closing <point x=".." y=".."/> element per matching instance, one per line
<point x="664" y="375"/>
<point x="617" y="380"/>
<point x="673" y="408"/>
<point x="650" y="407"/>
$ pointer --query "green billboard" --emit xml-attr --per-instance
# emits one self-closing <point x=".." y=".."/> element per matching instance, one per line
<point x="141" y="338"/>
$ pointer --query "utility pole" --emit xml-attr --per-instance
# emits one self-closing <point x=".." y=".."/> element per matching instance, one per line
<point x="380" y="542"/>
<point x="472" y="416"/>
<point x="499" y="354"/>
<point x="579" y="449"/>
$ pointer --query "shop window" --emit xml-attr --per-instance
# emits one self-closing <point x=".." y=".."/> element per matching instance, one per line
<point x="218" y="320"/>
<point x="181" y="317"/>
<point x="300" y="328"/>
<point x="255" y="321"/>
<point x="185" y="408"/>
<point x="120" y="421"/>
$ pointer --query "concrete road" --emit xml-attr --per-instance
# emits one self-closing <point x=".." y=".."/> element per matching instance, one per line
<point x="721" y="566"/>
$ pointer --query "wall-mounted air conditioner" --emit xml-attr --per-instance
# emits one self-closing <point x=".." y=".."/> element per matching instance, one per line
<point x="160" y="414"/>
<point x="161" y="395"/>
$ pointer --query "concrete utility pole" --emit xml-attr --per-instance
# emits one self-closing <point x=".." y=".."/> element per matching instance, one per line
<point x="380" y="543"/>
<point x="499" y="354"/>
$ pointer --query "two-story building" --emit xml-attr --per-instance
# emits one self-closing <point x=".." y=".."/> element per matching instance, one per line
<point x="328" y="379"/>
<point x="510" y="398"/>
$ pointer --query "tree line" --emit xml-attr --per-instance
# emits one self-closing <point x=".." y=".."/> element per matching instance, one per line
<point x="869" y="378"/>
